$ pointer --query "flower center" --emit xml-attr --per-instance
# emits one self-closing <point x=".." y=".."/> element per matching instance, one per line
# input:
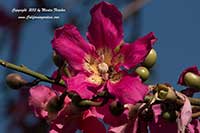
<point x="95" y="79"/>
<point x="103" y="67"/>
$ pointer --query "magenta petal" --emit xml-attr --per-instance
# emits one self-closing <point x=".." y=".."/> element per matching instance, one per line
<point x="157" y="111"/>
<point x="80" y="85"/>
<point x="133" y="126"/>
<point x="39" y="96"/>
<point x="135" y="53"/>
<point x="159" y="125"/>
<point x="162" y="126"/>
<point x="192" y="69"/>
<point x="68" y="119"/>
<point x="104" y="113"/>
<point x="119" y="129"/>
<point x="69" y="125"/>
<point x="105" y="29"/>
<point x="128" y="89"/>
<point x="137" y="126"/>
<point x="92" y="125"/>
<point x="71" y="46"/>
<point x="194" y="126"/>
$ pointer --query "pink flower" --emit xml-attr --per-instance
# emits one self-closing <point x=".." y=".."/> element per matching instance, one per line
<point x="159" y="125"/>
<point x="106" y="115"/>
<point x="133" y="123"/>
<point x="99" y="61"/>
<point x="194" y="126"/>
<point x="184" y="116"/>
<point x="68" y="119"/>
<point x="39" y="97"/>
<point x="73" y="118"/>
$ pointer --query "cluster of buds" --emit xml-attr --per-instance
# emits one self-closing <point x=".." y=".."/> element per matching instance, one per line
<point x="148" y="63"/>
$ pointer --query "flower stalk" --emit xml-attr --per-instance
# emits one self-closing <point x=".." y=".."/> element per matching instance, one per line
<point x="30" y="72"/>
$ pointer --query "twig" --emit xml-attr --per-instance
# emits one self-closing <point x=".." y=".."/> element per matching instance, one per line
<point x="27" y="71"/>
<point x="196" y="115"/>
<point x="133" y="7"/>
<point x="85" y="103"/>
<point x="193" y="101"/>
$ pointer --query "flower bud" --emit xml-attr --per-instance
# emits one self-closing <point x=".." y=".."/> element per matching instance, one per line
<point x="76" y="99"/>
<point x="116" y="108"/>
<point x="143" y="72"/>
<point x="57" y="59"/>
<point x="54" y="105"/>
<point x="162" y="94"/>
<point x="15" y="81"/>
<point x="166" y="93"/>
<point x="150" y="60"/>
<point x="192" y="80"/>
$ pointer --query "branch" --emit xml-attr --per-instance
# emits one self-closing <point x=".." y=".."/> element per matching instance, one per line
<point x="133" y="7"/>
<point x="196" y="115"/>
<point x="27" y="71"/>
<point x="193" y="101"/>
<point x="85" y="103"/>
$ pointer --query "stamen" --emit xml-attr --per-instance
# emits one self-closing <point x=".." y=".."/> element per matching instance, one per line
<point x="96" y="79"/>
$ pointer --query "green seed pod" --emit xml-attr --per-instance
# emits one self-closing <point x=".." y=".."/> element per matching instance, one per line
<point x="150" y="60"/>
<point x="58" y="61"/>
<point x="192" y="80"/>
<point x="15" y="81"/>
<point x="143" y="72"/>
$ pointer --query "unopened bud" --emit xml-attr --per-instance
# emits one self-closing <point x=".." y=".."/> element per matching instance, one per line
<point x="15" y="81"/>
<point x="192" y="80"/>
<point x="75" y="98"/>
<point x="162" y="94"/>
<point x="54" y="105"/>
<point x="58" y="60"/>
<point x="166" y="93"/>
<point x="150" y="60"/>
<point x="116" y="108"/>
<point x="143" y="72"/>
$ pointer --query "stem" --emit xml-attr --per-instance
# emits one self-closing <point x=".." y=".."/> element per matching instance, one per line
<point x="91" y="103"/>
<point x="193" y="101"/>
<point x="196" y="115"/>
<point x="27" y="71"/>
<point x="67" y="72"/>
<point x="196" y="108"/>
